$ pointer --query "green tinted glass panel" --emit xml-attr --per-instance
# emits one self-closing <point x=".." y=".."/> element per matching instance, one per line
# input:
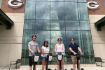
<point x="57" y="11"/>
<point x="84" y="25"/>
<point x="83" y="12"/>
<point x="57" y="25"/>
<point x="51" y="19"/>
<point x="71" y="12"/>
<point x="30" y="9"/>
<point x="82" y="0"/>
<point x="72" y="25"/>
<point x="42" y="10"/>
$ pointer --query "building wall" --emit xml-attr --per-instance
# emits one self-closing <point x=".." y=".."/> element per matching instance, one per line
<point x="11" y="40"/>
<point x="98" y="37"/>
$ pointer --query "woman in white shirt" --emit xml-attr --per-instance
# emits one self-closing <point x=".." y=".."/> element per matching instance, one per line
<point x="45" y="51"/>
<point x="60" y="48"/>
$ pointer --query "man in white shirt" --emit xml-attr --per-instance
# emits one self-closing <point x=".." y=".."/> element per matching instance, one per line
<point x="33" y="48"/>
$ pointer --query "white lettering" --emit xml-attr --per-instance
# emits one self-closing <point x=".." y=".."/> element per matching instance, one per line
<point x="92" y="5"/>
<point x="15" y="3"/>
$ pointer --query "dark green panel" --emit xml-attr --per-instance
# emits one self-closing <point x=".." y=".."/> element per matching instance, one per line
<point x="84" y="25"/>
<point x="83" y="11"/>
<point x="86" y="45"/>
<point x="71" y="0"/>
<point x="82" y="0"/>
<point x="71" y="12"/>
<point x="30" y="9"/>
<point x="57" y="11"/>
<point x="57" y="25"/>
<point x="72" y="25"/>
<point x="42" y="10"/>
<point x="42" y="25"/>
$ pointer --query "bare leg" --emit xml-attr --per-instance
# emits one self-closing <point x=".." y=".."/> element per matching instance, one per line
<point x="62" y="64"/>
<point x="79" y="68"/>
<point x="30" y="67"/>
<point x="34" y="68"/>
<point x="74" y="66"/>
<point x="58" y="67"/>
<point x="46" y="64"/>
<point x="43" y="65"/>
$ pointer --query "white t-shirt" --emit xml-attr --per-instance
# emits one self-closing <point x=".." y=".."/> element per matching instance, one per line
<point x="59" y="48"/>
<point x="33" y="46"/>
<point x="45" y="50"/>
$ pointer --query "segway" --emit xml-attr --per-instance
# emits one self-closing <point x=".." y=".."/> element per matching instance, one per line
<point x="49" y="58"/>
<point x="36" y="59"/>
<point x="60" y="57"/>
<point x="78" y="58"/>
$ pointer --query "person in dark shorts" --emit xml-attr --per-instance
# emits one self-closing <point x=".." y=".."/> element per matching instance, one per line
<point x="75" y="49"/>
<point x="33" y="48"/>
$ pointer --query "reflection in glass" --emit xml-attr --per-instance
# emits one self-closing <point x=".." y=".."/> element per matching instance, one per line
<point x="71" y="0"/>
<point x="83" y="12"/>
<point x="57" y="10"/>
<point x="57" y="25"/>
<point x="29" y="24"/>
<point x="72" y="25"/>
<point x="84" y="25"/>
<point x="42" y="36"/>
<point x="42" y="25"/>
<point x="71" y="12"/>
<point x="42" y="10"/>
<point x="86" y="45"/>
<point x="51" y="19"/>
<point x="82" y="0"/>
<point x="30" y="9"/>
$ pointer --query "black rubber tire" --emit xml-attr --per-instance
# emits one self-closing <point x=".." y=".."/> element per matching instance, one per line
<point x="82" y="68"/>
<point x="71" y="68"/>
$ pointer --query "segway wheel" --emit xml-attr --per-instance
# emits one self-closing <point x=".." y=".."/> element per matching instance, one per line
<point x="71" y="68"/>
<point x="82" y="68"/>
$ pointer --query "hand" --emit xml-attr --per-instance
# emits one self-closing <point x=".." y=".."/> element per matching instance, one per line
<point x="82" y="53"/>
<point x="63" y="53"/>
<point x="32" y="52"/>
<point x="74" y="53"/>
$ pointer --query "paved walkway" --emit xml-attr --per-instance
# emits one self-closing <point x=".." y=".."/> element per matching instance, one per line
<point x="53" y="67"/>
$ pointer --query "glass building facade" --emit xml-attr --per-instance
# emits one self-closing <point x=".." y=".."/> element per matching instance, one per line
<point x="51" y="19"/>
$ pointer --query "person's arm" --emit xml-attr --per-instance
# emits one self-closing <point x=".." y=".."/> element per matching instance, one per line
<point x="80" y="50"/>
<point x="55" y="48"/>
<point x="72" y="51"/>
<point x="29" y="45"/>
<point x="38" y="49"/>
<point x="63" y="49"/>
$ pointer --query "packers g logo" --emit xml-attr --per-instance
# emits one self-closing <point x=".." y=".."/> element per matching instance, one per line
<point x="92" y="5"/>
<point x="15" y="3"/>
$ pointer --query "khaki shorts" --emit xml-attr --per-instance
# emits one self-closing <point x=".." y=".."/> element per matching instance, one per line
<point x="74" y="59"/>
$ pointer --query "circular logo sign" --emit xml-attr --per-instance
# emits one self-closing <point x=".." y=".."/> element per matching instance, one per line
<point x="92" y="5"/>
<point x="15" y="3"/>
